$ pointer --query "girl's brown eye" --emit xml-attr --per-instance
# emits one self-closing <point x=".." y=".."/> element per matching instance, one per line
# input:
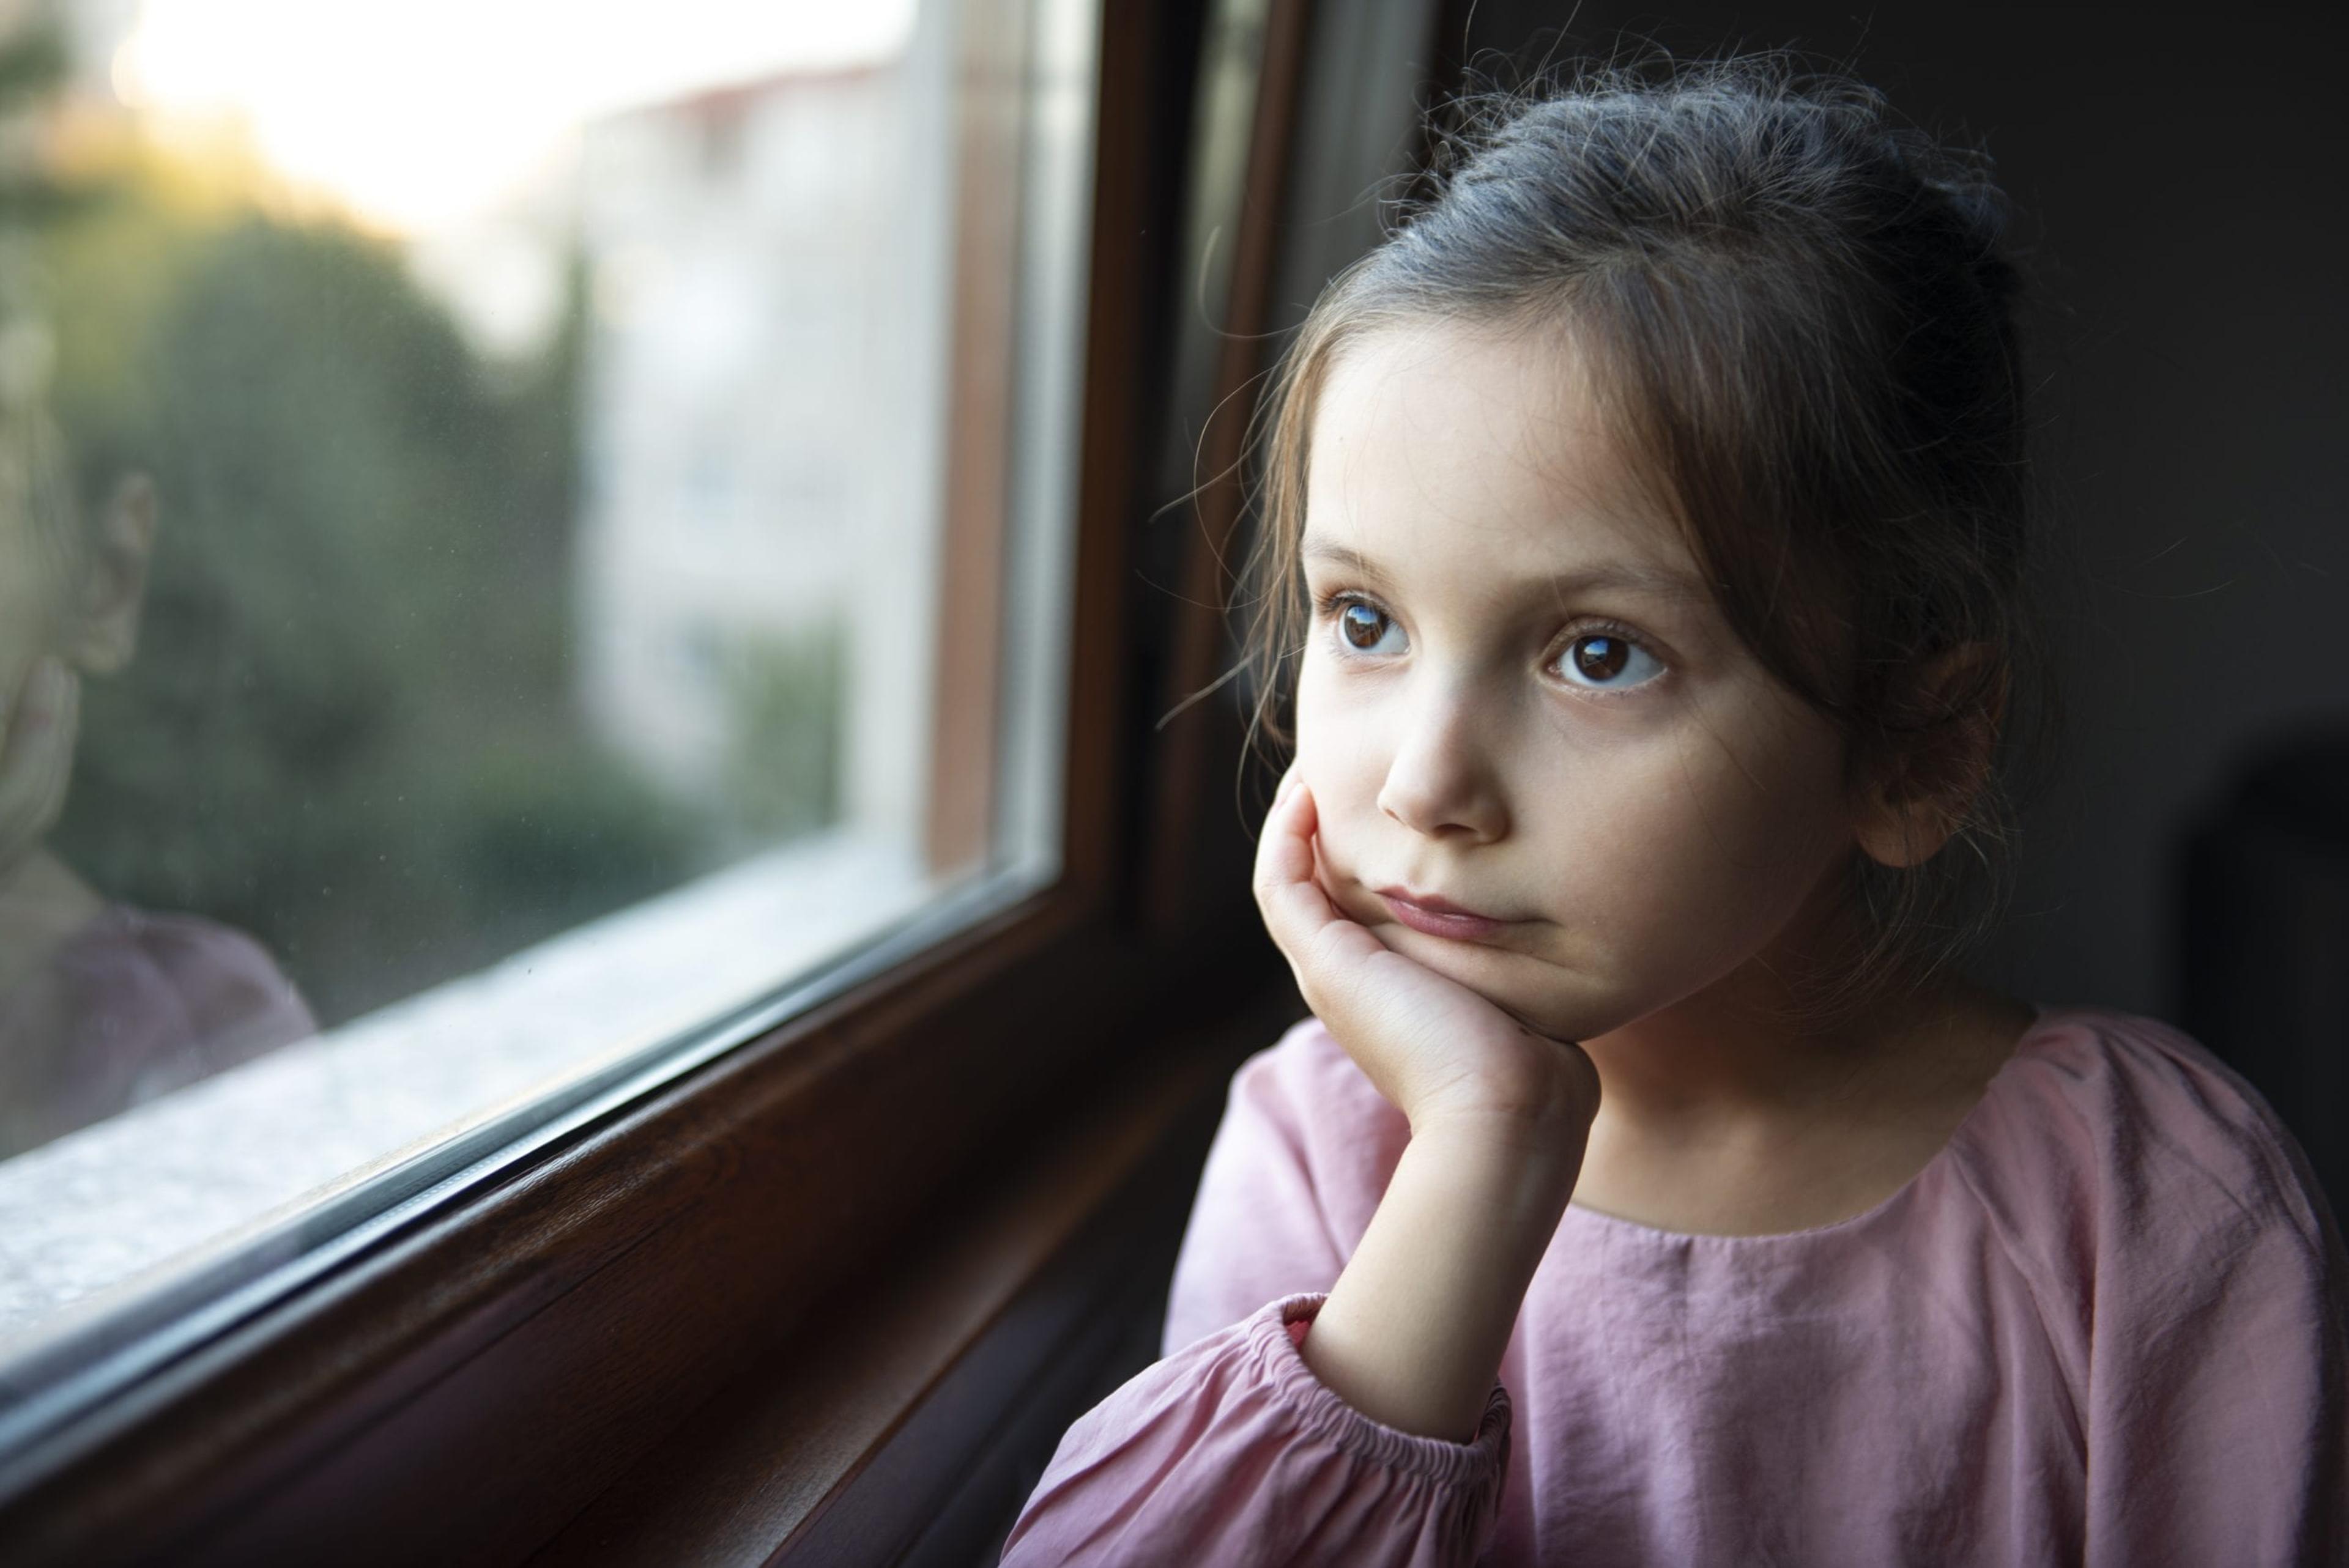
<point x="1363" y="627"/>
<point x="1600" y="658"/>
<point x="1603" y="662"/>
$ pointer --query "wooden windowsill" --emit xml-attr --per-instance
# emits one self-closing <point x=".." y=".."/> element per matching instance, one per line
<point x="484" y="1375"/>
<point x="848" y="1440"/>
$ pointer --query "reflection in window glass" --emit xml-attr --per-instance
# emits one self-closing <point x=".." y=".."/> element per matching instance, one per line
<point x="477" y="496"/>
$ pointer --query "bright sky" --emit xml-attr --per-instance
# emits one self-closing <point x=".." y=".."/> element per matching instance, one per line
<point x="420" y="114"/>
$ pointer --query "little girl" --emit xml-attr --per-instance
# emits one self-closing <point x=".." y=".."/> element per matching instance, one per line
<point x="1645" y="521"/>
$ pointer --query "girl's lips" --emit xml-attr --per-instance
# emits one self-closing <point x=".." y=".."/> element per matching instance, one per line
<point x="1435" y="916"/>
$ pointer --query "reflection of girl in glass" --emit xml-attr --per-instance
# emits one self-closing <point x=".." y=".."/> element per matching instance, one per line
<point x="1645" y="533"/>
<point x="102" y="1006"/>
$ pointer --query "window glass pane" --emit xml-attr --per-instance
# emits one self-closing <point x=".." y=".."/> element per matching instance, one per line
<point x="524" y="539"/>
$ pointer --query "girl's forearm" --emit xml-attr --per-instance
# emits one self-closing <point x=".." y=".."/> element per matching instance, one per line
<point x="1414" y="1330"/>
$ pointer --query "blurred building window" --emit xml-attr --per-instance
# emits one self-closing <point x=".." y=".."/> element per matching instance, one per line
<point x="489" y="503"/>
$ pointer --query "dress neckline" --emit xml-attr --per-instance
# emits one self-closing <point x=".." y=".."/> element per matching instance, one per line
<point x="2039" y="1028"/>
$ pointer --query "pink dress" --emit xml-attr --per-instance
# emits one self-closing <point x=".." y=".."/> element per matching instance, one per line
<point x="2103" y="1325"/>
<point x="134" y="1006"/>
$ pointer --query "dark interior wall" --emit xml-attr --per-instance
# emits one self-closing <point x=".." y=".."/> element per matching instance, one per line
<point x="2179" y="194"/>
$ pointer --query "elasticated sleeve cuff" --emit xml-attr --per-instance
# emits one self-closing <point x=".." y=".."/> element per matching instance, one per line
<point x="1277" y="1334"/>
<point x="1231" y="1451"/>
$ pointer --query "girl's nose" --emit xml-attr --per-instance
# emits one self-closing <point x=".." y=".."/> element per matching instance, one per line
<point x="1441" y="779"/>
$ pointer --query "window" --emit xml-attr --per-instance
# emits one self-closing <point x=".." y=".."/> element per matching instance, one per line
<point x="557" y="537"/>
<point x="490" y="1341"/>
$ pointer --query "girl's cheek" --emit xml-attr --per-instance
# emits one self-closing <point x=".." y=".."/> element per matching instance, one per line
<point x="1335" y="759"/>
<point x="1717" y="849"/>
<point x="1342" y="774"/>
<point x="1323" y="739"/>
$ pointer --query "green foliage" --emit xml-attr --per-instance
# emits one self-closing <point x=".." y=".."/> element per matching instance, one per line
<point x="32" y="62"/>
<point x="784" y="776"/>
<point x="350" y="729"/>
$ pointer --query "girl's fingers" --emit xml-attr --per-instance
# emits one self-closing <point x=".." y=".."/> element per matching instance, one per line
<point x="36" y="747"/>
<point x="1292" y="901"/>
<point x="31" y="783"/>
<point x="64" y="725"/>
<point x="1324" y="948"/>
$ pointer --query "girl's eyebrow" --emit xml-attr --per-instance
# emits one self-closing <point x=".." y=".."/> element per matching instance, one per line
<point x="1337" y="556"/>
<point x="1657" y="581"/>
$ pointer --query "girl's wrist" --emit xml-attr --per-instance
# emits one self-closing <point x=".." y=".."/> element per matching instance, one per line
<point x="1526" y="1167"/>
<point x="1414" y="1328"/>
<point x="1544" y="1115"/>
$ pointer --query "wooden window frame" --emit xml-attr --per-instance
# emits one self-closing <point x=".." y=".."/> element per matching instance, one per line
<point x="616" y="1348"/>
<point x="968" y="712"/>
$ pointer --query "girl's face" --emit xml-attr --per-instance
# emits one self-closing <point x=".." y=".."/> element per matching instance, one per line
<point x="1544" y="765"/>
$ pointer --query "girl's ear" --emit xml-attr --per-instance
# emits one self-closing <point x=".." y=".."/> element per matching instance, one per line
<point x="103" y="631"/>
<point x="1920" y="795"/>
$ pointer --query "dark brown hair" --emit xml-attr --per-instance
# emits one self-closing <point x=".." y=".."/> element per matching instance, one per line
<point x="1801" y="317"/>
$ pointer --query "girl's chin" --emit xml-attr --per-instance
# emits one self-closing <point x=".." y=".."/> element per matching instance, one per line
<point x="1546" y="996"/>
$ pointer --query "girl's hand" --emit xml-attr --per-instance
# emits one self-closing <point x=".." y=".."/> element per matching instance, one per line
<point x="1438" y="1051"/>
<point x="1416" y="1325"/>
<point x="38" y="723"/>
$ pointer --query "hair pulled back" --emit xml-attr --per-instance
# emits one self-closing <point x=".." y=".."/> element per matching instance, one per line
<point x="1800" y="315"/>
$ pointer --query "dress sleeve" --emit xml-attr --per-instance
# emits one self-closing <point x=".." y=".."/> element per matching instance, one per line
<point x="1304" y="1154"/>
<point x="1229" y="1449"/>
<point x="2190" y="1257"/>
<point x="2218" y="1428"/>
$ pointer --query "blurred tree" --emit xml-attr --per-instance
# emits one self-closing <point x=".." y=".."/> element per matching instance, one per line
<point x="350" y="729"/>
<point x="782" y="773"/>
